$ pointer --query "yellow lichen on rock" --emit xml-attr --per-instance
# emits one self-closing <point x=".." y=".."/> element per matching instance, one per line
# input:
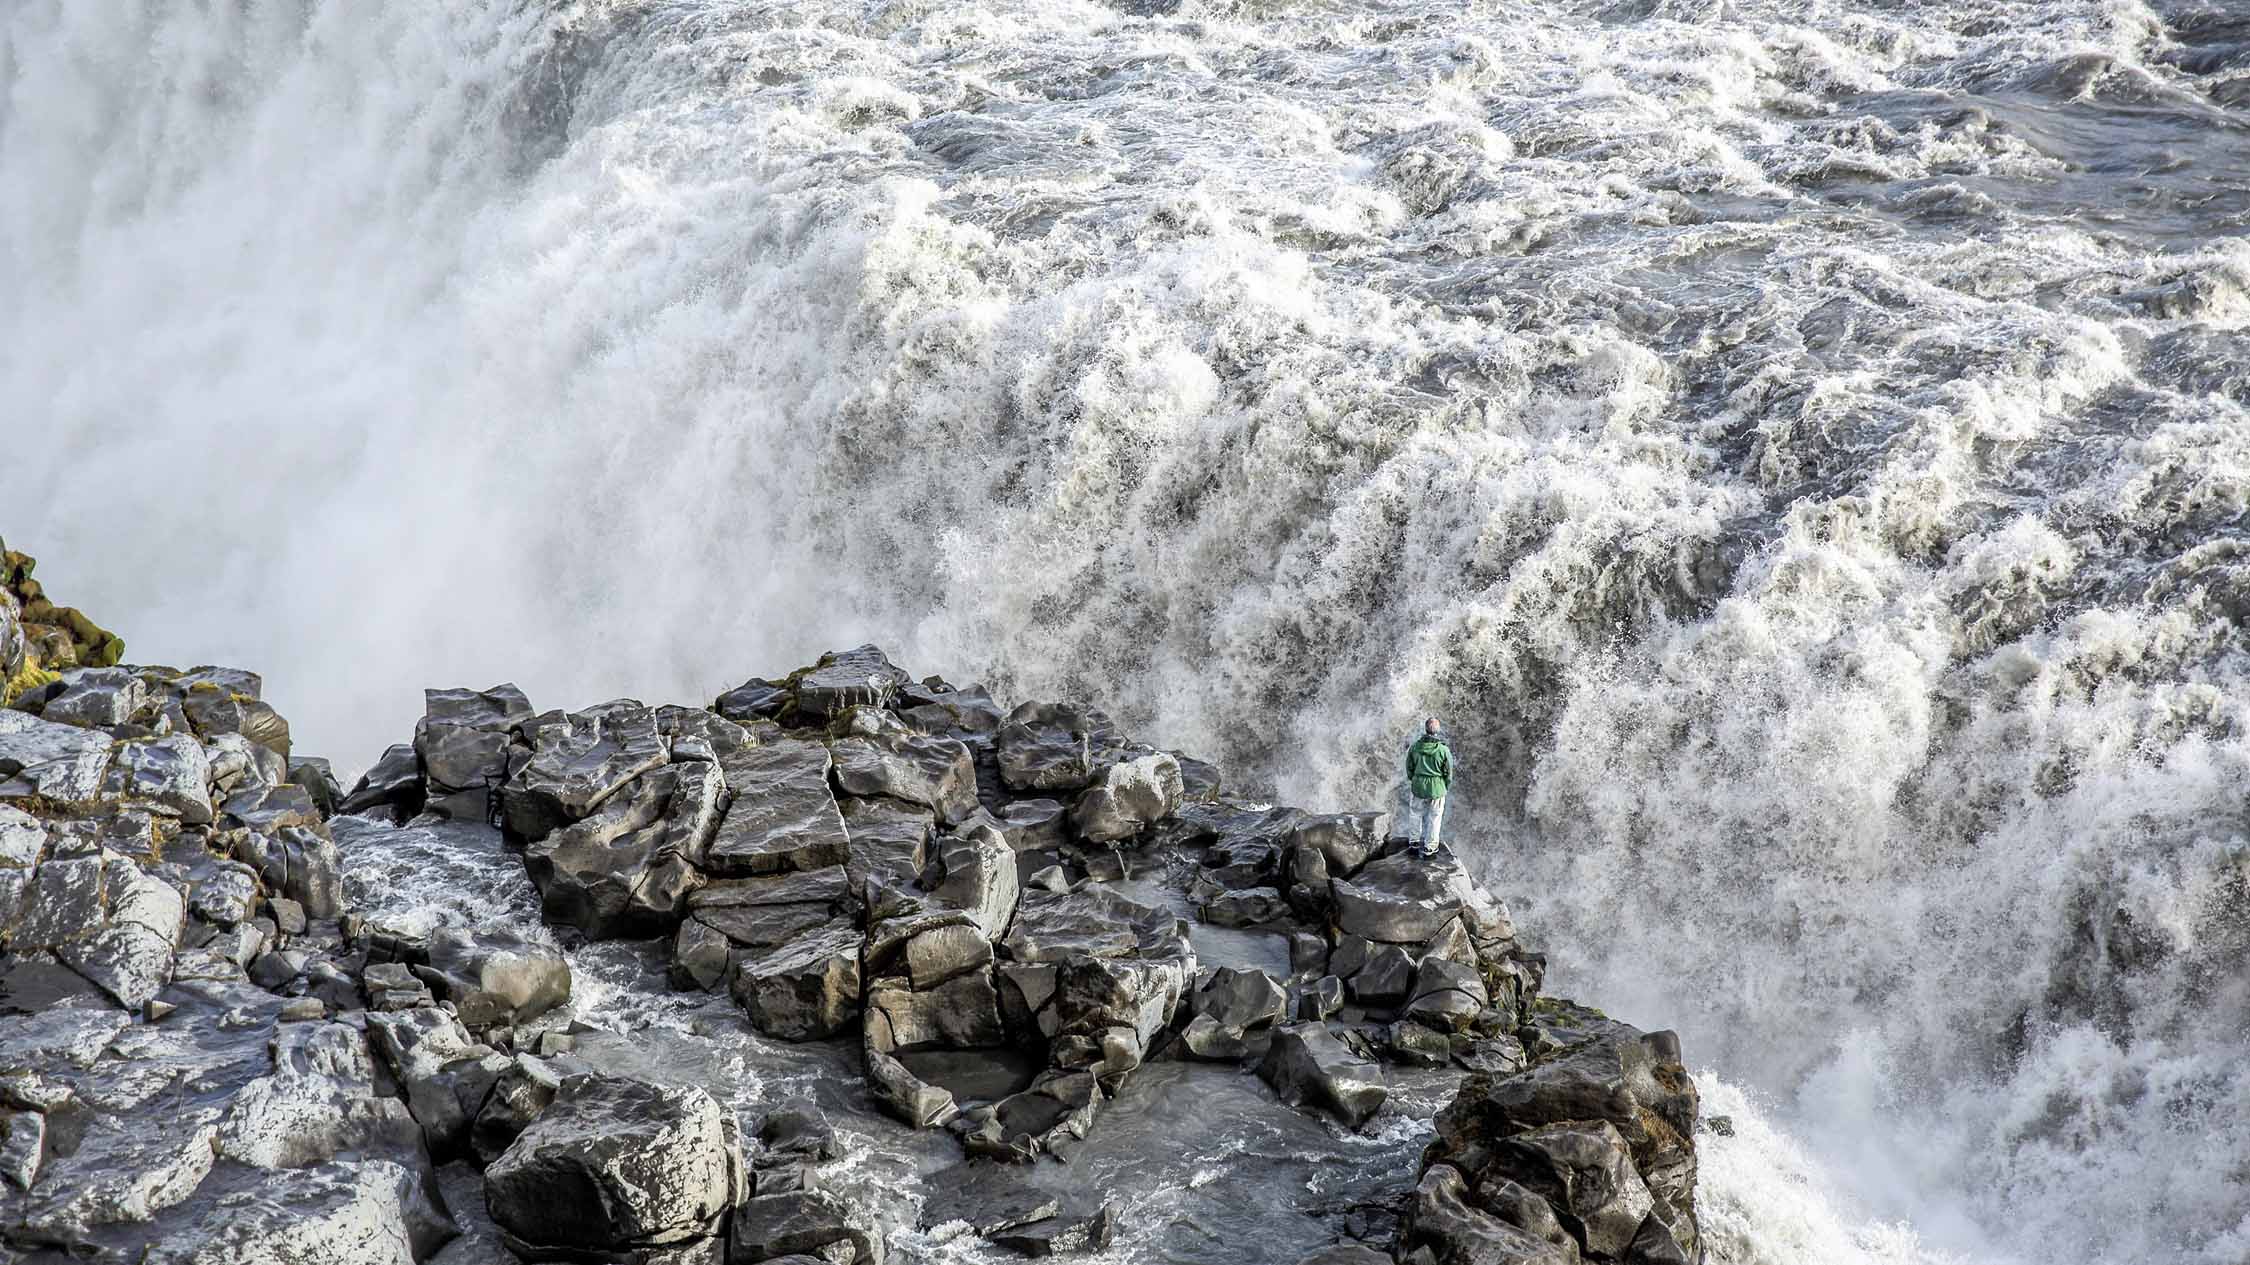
<point x="40" y="640"/>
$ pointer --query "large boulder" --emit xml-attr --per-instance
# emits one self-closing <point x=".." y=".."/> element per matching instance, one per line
<point x="804" y="990"/>
<point x="462" y="741"/>
<point x="497" y="975"/>
<point x="615" y="1164"/>
<point x="61" y="765"/>
<point x="1130" y="797"/>
<point x="393" y="782"/>
<point x="373" y="1212"/>
<point x="1400" y="899"/>
<point x="1445" y="1224"/>
<point x="1607" y="1072"/>
<point x="578" y="760"/>
<point x="937" y="773"/>
<point x="628" y="869"/>
<point x="784" y="815"/>
<point x="1046" y="747"/>
<point x="1308" y="1064"/>
<point x="843" y="679"/>
<point x="808" y="1224"/>
<point x="130" y="956"/>
<point x="97" y="698"/>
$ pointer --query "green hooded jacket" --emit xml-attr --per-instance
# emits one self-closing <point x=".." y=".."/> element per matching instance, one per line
<point x="1429" y="767"/>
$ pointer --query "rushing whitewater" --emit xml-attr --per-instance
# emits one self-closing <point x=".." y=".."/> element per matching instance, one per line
<point x="1802" y="448"/>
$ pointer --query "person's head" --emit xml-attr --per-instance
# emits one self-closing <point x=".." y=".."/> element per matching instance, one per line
<point x="1430" y="726"/>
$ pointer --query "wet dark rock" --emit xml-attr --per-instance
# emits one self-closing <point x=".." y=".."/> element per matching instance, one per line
<point x="225" y="701"/>
<point x="979" y="881"/>
<point x="799" y="1129"/>
<point x="969" y="710"/>
<point x="1253" y="907"/>
<point x="1058" y="1236"/>
<point x="804" y="990"/>
<point x="945" y="952"/>
<point x="61" y="765"/>
<point x="1200" y="781"/>
<point x="578" y="760"/>
<point x="312" y="775"/>
<point x="615" y="1163"/>
<point x="628" y="869"/>
<point x="864" y="677"/>
<point x="899" y="1091"/>
<point x="1308" y="1065"/>
<point x="1444" y="1222"/>
<point x="520" y="1093"/>
<point x="754" y="700"/>
<point x="1346" y="841"/>
<point x="297" y="863"/>
<point x="1585" y="1174"/>
<point x="1400" y="899"/>
<point x="936" y="773"/>
<point x="463" y="742"/>
<point x="1385" y="979"/>
<point x="1045" y="747"/>
<point x="784" y="817"/>
<point x="890" y="849"/>
<point x="1241" y="999"/>
<point x="1609" y="1072"/>
<point x="810" y="1223"/>
<point x="376" y="1212"/>
<point x="962" y="1013"/>
<point x="497" y="975"/>
<point x="1446" y="995"/>
<point x="1129" y="797"/>
<point x="96" y="698"/>
<point x="394" y="781"/>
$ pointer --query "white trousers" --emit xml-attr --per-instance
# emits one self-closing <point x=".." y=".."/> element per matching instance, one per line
<point x="1433" y="816"/>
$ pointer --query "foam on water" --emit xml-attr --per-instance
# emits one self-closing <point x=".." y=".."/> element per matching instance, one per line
<point x="1803" y="448"/>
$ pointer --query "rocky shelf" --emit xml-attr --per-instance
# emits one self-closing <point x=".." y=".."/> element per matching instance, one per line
<point x="1007" y="914"/>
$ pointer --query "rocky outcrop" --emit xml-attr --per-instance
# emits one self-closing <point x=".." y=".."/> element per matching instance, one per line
<point x="1587" y="1154"/>
<point x="843" y="854"/>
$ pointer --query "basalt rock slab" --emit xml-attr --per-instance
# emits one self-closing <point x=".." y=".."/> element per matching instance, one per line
<point x="97" y="698"/>
<point x="864" y="677"/>
<point x="1346" y="841"/>
<point x="1129" y="797"/>
<point x="1308" y="1065"/>
<point x="804" y="990"/>
<point x="616" y="1164"/>
<point x="1400" y="899"/>
<point x="58" y="764"/>
<point x="784" y="817"/>
<point x="393" y="782"/>
<point x="628" y="869"/>
<point x="1610" y="1072"/>
<point x="807" y="1223"/>
<point x="165" y="775"/>
<point x="497" y="975"/>
<point x="1046" y="747"/>
<point x="1446" y="995"/>
<point x="578" y="760"/>
<point x="1444" y="1223"/>
<point x="936" y="773"/>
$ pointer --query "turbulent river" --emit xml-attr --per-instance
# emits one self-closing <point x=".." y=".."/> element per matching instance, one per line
<point x="1802" y="447"/>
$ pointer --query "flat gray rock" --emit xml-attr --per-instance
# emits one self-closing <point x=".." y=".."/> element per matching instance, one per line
<point x="784" y="817"/>
<point x="1308" y="1065"/>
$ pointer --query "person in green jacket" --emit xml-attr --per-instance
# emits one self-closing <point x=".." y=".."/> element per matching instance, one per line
<point x="1429" y="775"/>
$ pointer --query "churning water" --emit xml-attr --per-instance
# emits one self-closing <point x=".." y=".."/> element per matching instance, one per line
<point x="1803" y="447"/>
